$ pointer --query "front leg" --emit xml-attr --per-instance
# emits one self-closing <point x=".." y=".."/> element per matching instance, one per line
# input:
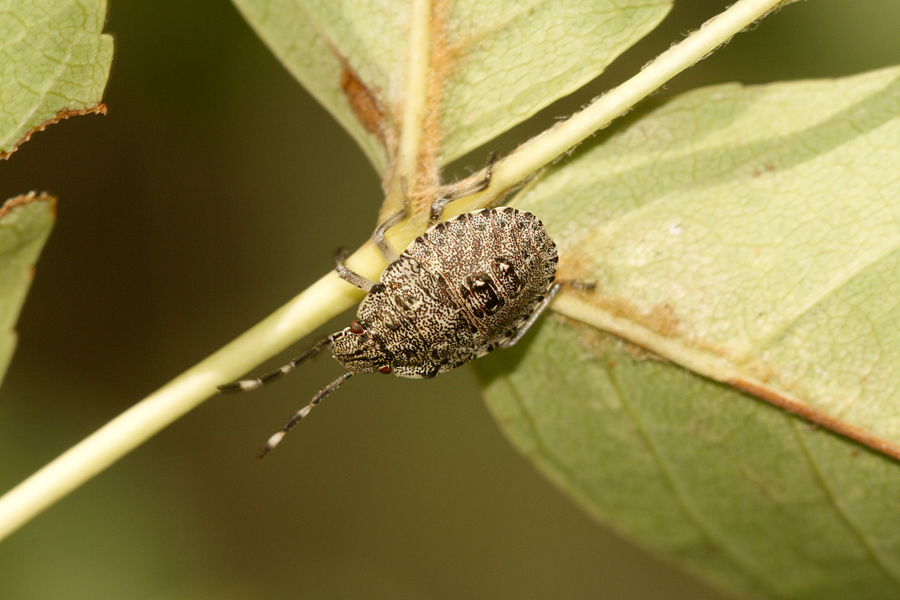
<point x="344" y="272"/>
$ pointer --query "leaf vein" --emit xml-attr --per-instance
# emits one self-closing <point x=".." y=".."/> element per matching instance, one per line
<point x="815" y="300"/>
<point x="892" y="573"/>
<point x="681" y="498"/>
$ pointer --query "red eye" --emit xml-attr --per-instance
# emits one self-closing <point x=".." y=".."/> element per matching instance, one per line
<point x="356" y="328"/>
<point x="386" y="369"/>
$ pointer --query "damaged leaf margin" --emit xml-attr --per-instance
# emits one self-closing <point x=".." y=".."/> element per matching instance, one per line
<point x="54" y="63"/>
<point x="25" y="224"/>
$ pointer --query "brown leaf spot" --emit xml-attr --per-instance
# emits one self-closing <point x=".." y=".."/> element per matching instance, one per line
<point x="661" y="319"/>
<point x="363" y="101"/>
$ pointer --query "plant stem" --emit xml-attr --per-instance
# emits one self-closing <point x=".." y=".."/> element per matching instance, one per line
<point x="549" y="145"/>
<point x="323" y="300"/>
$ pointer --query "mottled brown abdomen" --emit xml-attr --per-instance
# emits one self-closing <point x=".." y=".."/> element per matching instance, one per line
<point x="455" y="293"/>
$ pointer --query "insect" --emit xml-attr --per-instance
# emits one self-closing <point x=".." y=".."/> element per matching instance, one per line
<point x="466" y="286"/>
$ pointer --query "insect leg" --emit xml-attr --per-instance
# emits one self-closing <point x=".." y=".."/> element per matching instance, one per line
<point x="437" y="207"/>
<point x="273" y="441"/>
<point x="245" y="385"/>
<point x="389" y="253"/>
<point x="542" y="307"/>
<point x="344" y="272"/>
<point x="534" y="317"/>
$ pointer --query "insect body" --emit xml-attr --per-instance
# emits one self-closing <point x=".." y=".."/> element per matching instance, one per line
<point x="460" y="290"/>
<point x="463" y="288"/>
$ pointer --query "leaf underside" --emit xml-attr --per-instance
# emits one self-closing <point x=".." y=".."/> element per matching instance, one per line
<point x="496" y="63"/>
<point x="757" y="230"/>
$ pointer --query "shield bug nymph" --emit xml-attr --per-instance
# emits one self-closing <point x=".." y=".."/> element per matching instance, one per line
<point x="464" y="287"/>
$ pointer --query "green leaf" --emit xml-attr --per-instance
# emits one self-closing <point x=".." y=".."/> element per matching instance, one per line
<point x="53" y="63"/>
<point x="493" y="63"/>
<point x="744" y="238"/>
<point x="25" y="223"/>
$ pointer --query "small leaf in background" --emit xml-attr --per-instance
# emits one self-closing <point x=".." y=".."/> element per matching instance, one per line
<point x="25" y="223"/>
<point x="494" y="63"/>
<point x="745" y="234"/>
<point x="54" y="63"/>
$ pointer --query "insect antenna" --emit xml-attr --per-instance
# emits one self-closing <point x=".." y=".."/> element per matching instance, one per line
<point x="245" y="385"/>
<point x="273" y="441"/>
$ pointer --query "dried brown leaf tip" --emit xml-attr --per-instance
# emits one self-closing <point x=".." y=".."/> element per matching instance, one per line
<point x="14" y="203"/>
<point x="97" y="109"/>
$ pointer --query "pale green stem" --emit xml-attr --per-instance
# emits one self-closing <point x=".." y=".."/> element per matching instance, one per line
<point x="323" y="300"/>
<point x="331" y="296"/>
<point x="562" y="137"/>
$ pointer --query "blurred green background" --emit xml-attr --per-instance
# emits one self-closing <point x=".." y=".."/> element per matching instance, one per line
<point x="213" y="192"/>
